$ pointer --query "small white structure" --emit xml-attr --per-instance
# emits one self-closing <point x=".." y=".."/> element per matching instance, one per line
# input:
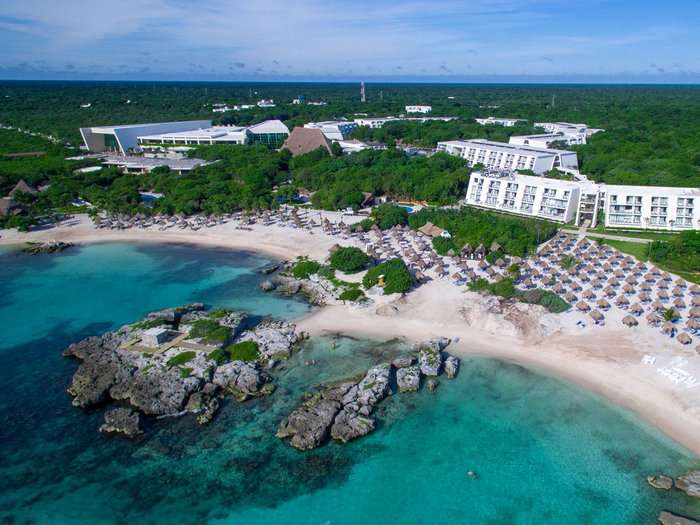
<point x="266" y="103"/>
<point x="334" y="130"/>
<point x="154" y="337"/>
<point x="509" y="156"/>
<point x="125" y="138"/>
<point x="268" y="131"/>
<point x="575" y="131"/>
<point x="418" y="109"/>
<point x="506" y="122"/>
<point x="378" y="122"/>
<point x="541" y="197"/>
<point x="545" y="140"/>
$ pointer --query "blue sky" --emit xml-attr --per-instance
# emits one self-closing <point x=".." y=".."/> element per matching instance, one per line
<point x="441" y="40"/>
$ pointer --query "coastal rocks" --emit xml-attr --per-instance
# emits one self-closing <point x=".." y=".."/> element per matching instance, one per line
<point x="451" y="366"/>
<point x="430" y="361"/>
<point x="123" y="421"/>
<point x="287" y="286"/>
<point x="660" y="482"/>
<point x="98" y="374"/>
<point x="204" y="405"/>
<point x="275" y="339"/>
<point x="349" y="425"/>
<point x="36" y="248"/>
<point x="432" y="385"/>
<point x="241" y="379"/>
<point x="690" y="483"/>
<point x="403" y="361"/>
<point x="668" y="518"/>
<point x="372" y="389"/>
<point x="270" y="268"/>
<point x="408" y="379"/>
<point x="308" y="426"/>
<point x="174" y="315"/>
<point x="267" y="285"/>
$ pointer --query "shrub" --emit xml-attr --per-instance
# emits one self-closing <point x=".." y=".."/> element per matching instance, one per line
<point x="366" y="224"/>
<point x="443" y="245"/>
<point x="219" y="356"/>
<point x="389" y="215"/>
<point x="210" y="331"/>
<point x="397" y="278"/>
<point x="349" y="259"/>
<point x="303" y="268"/>
<point x="352" y="294"/>
<point x="492" y="257"/>
<point x="185" y="372"/>
<point x="180" y="359"/>
<point x="244" y="351"/>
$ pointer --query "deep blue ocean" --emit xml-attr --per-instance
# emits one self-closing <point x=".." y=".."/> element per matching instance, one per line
<point x="545" y="452"/>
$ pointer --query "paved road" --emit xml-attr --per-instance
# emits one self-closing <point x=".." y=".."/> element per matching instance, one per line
<point x="593" y="235"/>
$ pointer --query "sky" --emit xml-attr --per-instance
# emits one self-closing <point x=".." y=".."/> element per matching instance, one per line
<point x="330" y="40"/>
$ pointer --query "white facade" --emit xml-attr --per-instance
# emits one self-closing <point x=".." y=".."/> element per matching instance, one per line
<point x="509" y="156"/>
<point x="539" y="197"/>
<point x="418" y="109"/>
<point x="650" y="207"/>
<point x="211" y="135"/>
<point x="334" y="130"/>
<point x="546" y="139"/>
<point x="266" y="103"/>
<point x="125" y="138"/>
<point x="507" y="122"/>
<point x="378" y="122"/>
<point x="578" y="132"/>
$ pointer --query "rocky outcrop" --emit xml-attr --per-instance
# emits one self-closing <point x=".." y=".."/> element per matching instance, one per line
<point x="174" y="315"/>
<point x="308" y="426"/>
<point x="36" y="248"/>
<point x="267" y="285"/>
<point x="432" y="385"/>
<point x="349" y="425"/>
<point x="668" y="518"/>
<point x="123" y="421"/>
<point x="451" y="366"/>
<point x="408" y="379"/>
<point x="204" y="405"/>
<point x="403" y="361"/>
<point x="690" y="483"/>
<point x="660" y="482"/>
<point x="241" y="379"/>
<point x="430" y="361"/>
<point x="275" y="339"/>
<point x="270" y="268"/>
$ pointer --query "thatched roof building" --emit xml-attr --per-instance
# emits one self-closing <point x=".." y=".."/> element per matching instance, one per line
<point x="630" y="321"/>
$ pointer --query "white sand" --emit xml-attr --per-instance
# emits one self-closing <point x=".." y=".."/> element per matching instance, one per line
<point x="606" y="359"/>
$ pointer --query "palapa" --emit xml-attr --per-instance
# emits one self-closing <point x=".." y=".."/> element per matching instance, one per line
<point x="630" y="321"/>
<point x="684" y="338"/>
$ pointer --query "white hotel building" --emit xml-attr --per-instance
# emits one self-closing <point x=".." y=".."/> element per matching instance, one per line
<point x="544" y="140"/>
<point x="418" y="109"/>
<point x="651" y="207"/>
<point x="539" y="197"/>
<point x="509" y="156"/>
<point x="506" y="122"/>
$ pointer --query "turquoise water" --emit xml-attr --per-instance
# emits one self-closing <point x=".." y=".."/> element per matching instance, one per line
<point x="545" y="452"/>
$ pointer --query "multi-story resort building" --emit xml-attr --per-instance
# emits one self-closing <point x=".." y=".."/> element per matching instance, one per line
<point x="545" y="140"/>
<point x="334" y="130"/>
<point x="378" y="122"/>
<point x="580" y="131"/>
<point x="650" y="207"/>
<point x="418" y="109"/>
<point x="505" y="191"/>
<point x="509" y="156"/>
<point x="507" y="122"/>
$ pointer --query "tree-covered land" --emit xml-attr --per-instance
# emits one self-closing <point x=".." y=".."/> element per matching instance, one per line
<point x="516" y="235"/>
<point x="681" y="253"/>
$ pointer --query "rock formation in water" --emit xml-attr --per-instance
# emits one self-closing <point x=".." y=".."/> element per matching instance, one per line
<point x="122" y="421"/>
<point x="690" y="483"/>
<point x="660" y="482"/>
<point x="36" y="248"/>
<point x="668" y="518"/>
<point x="178" y="360"/>
<point x="342" y="410"/>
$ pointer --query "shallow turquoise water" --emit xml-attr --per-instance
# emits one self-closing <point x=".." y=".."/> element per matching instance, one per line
<point x="545" y="452"/>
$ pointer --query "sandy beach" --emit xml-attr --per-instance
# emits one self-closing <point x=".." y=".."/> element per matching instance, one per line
<point x="619" y="363"/>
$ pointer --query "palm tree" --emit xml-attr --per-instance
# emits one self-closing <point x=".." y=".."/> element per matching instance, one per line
<point x="670" y="314"/>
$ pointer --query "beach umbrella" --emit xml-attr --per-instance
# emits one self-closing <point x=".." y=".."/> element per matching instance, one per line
<point x="692" y="324"/>
<point x="666" y="277"/>
<point x="596" y="316"/>
<point x="636" y="309"/>
<point x="582" y="306"/>
<point x="679" y="303"/>
<point x="662" y="294"/>
<point x="694" y="312"/>
<point x="677" y="292"/>
<point x="695" y="289"/>
<point x="684" y="338"/>
<point x="695" y="301"/>
<point x="622" y="301"/>
<point x="681" y="283"/>
<point x="630" y="321"/>
<point x="644" y="297"/>
<point x="668" y="328"/>
<point x="570" y="297"/>
<point x="658" y="305"/>
<point x="603" y="304"/>
<point x="653" y="319"/>
<point x="589" y="294"/>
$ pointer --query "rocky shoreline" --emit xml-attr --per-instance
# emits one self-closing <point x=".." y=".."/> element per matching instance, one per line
<point x="177" y="361"/>
<point x="38" y="248"/>
<point x="342" y="410"/>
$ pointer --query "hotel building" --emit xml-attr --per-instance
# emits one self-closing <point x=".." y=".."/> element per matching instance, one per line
<point x="334" y="130"/>
<point x="509" y="156"/>
<point x="418" y="109"/>
<point x="507" y="122"/>
<point x="545" y="140"/>
<point x="651" y="207"/>
<point x="539" y="197"/>
<point x="269" y="132"/>
<point x="378" y="122"/>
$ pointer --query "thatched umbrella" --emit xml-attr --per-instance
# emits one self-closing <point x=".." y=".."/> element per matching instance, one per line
<point x="694" y="312"/>
<point x="559" y="288"/>
<point x="631" y="280"/>
<point x="668" y="328"/>
<point x="613" y="282"/>
<point x="589" y="294"/>
<point x="457" y="276"/>
<point x="603" y="304"/>
<point x="684" y="338"/>
<point x="645" y="287"/>
<point x="629" y="321"/>
<point x="666" y="277"/>
<point x="628" y="288"/>
<point x="658" y="306"/>
<point x="644" y="297"/>
<point x="596" y="316"/>
<point x="695" y="289"/>
<point x="677" y="292"/>
<point x="679" y="303"/>
<point x="636" y="309"/>
<point x="619" y="274"/>
<point x="570" y="297"/>
<point x="655" y="271"/>
<point x="500" y="263"/>
<point x="622" y="301"/>
<point x="653" y="319"/>
<point x="483" y="265"/>
<point x="527" y="283"/>
<point x="498" y="277"/>
<point x="582" y="306"/>
<point x="597" y="283"/>
<point x="662" y="295"/>
<point x="692" y="324"/>
<point x="650" y="278"/>
<point x="680" y="282"/>
<point x="609" y="291"/>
